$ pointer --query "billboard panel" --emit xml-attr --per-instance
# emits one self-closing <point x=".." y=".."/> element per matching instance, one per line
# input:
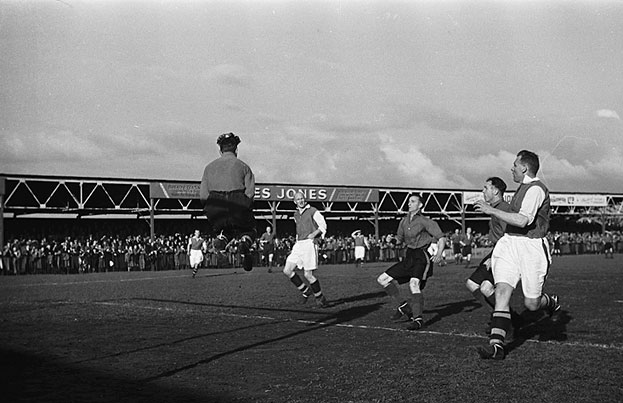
<point x="556" y="199"/>
<point x="317" y="193"/>
<point x="471" y="197"/>
<point x="561" y="199"/>
<point x="168" y="190"/>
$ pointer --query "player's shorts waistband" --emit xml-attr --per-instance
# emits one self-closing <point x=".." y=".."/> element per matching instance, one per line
<point x="424" y="247"/>
<point x="226" y="192"/>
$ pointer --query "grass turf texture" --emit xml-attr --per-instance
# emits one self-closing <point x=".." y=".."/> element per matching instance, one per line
<point x="233" y="336"/>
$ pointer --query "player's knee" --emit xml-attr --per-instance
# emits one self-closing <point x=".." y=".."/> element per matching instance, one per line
<point x="384" y="280"/>
<point x="309" y="275"/>
<point x="288" y="270"/>
<point x="414" y="286"/>
<point x="471" y="285"/>
<point x="532" y="304"/>
<point x="487" y="289"/>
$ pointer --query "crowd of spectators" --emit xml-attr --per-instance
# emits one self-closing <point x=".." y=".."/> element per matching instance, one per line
<point x="89" y="253"/>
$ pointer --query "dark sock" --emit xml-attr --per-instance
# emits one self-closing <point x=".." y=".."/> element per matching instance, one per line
<point x="418" y="304"/>
<point x="500" y="324"/>
<point x="315" y="287"/>
<point x="393" y="291"/>
<point x="298" y="283"/>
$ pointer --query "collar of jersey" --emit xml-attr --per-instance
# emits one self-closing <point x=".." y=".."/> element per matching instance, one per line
<point x="303" y="209"/>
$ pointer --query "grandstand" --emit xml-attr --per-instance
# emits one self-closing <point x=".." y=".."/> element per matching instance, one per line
<point x="154" y="200"/>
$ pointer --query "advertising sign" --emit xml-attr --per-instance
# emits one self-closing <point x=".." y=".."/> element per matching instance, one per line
<point x="556" y="199"/>
<point x="317" y="193"/>
<point x="168" y="190"/>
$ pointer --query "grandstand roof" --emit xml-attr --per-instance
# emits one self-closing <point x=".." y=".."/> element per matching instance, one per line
<point x="91" y="196"/>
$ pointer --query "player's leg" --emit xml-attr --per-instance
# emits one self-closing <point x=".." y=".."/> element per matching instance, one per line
<point x="500" y="323"/>
<point x="309" y="257"/>
<point x="290" y="273"/>
<point x="506" y="275"/>
<point x="390" y="280"/>
<point x="242" y="226"/>
<point x="534" y="265"/>
<point x="314" y="284"/>
<point x="193" y="263"/>
<point x="415" y="287"/>
<point x="467" y="254"/>
<point x="480" y="283"/>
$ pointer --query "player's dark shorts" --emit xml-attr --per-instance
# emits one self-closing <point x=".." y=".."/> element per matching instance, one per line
<point x="231" y="212"/>
<point x="467" y="250"/>
<point x="456" y="248"/>
<point x="608" y="246"/>
<point x="481" y="273"/>
<point x="269" y="249"/>
<point x="416" y="264"/>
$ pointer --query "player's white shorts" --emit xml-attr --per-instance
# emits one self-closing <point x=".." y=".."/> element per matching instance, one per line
<point x="518" y="258"/>
<point x="196" y="257"/>
<point x="304" y="254"/>
<point x="360" y="252"/>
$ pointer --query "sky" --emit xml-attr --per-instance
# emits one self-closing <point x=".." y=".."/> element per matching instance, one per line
<point x="416" y="94"/>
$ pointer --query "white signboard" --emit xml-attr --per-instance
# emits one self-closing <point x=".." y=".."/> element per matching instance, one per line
<point x="556" y="199"/>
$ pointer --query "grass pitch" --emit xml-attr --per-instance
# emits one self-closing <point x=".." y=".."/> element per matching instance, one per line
<point x="232" y="336"/>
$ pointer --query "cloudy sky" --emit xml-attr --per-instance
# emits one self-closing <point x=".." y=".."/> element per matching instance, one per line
<point x="382" y="93"/>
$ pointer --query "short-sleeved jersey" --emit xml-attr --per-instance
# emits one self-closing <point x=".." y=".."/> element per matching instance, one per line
<point x="538" y="228"/>
<point x="497" y="226"/>
<point x="417" y="231"/>
<point x="195" y="243"/>
<point x="305" y="223"/>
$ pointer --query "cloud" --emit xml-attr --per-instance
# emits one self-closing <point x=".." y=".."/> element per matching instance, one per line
<point x="607" y="113"/>
<point x="229" y="75"/>
<point x="55" y="145"/>
<point x="418" y="170"/>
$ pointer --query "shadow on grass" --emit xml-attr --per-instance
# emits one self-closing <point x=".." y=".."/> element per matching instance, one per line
<point x="313" y="310"/>
<point x="332" y="319"/>
<point x="34" y="378"/>
<point x="541" y="328"/>
<point x="175" y="342"/>
<point x="453" y="308"/>
<point x="360" y="297"/>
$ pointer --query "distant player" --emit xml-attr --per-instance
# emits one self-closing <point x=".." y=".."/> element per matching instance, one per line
<point x="310" y="225"/>
<point x="267" y="245"/>
<point x="455" y="239"/>
<point x="608" y="245"/>
<point x="361" y="243"/>
<point x="196" y="247"/>
<point x="466" y="247"/>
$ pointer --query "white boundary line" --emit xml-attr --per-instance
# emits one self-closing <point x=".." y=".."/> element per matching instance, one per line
<point x="117" y="280"/>
<point x="364" y="327"/>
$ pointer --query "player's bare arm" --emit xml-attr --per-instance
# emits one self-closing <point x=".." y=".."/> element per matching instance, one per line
<point x="441" y="245"/>
<point x="516" y="219"/>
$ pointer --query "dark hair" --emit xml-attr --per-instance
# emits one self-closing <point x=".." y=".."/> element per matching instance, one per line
<point x="225" y="147"/>
<point x="498" y="183"/>
<point x="228" y="142"/>
<point x="530" y="159"/>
